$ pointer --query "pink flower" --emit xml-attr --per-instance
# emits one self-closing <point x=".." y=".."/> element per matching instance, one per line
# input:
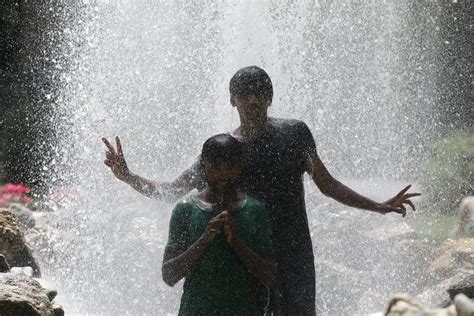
<point x="16" y="188"/>
<point x="14" y="193"/>
<point x="26" y="199"/>
<point x="7" y="196"/>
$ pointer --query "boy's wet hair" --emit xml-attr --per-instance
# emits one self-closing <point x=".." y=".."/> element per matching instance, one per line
<point x="222" y="148"/>
<point x="249" y="81"/>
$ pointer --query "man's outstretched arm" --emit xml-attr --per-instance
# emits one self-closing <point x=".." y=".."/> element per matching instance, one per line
<point x="331" y="187"/>
<point x="166" y="191"/>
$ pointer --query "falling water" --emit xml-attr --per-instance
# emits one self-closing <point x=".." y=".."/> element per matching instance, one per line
<point x="157" y="73"/>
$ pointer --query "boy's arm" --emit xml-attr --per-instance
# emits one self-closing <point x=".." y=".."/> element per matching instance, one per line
<point x="258" y="266"/>
<point x="176" y="263"/>
<point x="167" y="191"/>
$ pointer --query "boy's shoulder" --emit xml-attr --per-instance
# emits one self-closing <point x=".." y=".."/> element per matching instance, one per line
<point x="184" y="206"/>
<point x="254" y="203"/>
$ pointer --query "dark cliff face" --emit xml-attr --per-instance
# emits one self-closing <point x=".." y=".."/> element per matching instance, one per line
<point x="29" y="42"/>
<point x="8" y="49"/>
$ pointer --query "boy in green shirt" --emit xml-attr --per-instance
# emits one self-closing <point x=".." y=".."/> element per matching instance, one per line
<point x="219" y="240"/>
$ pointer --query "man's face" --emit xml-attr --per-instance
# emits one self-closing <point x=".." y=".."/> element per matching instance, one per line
<point x="252" y="109"/>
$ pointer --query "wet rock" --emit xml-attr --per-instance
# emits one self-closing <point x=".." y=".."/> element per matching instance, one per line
<point x="405" y="305"/>
<point x="452" y="255"/>
<point x="28" y="271"/>
<point x="466" y="287"/>
<point x="437" y="295"/>
<point x="48" y="287"/>
<point x="58" y="310"/>
<point x="26" y="217"/>
<point x="464" y="305"/>
<point x="21" y="295"/>
<point x="13" y="244"/>
<point x="465" y="225"/>
<point x="451" y="271"/>
<point x="4" y="266"/>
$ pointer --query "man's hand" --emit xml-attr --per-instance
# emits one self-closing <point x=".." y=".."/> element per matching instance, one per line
<point x="212" y="230"/>
<point x="395" y="204"/>
<point x="115" y="160"/>
<point x="230" y="227"/>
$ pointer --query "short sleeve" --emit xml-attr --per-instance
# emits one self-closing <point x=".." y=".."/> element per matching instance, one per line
<point x="263" y="239"/>
<point x="306" y="141"/>
<point x="178" y="232"/>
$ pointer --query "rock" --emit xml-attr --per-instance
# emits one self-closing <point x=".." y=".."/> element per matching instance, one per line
<point x="452" y="254"/>
<point x="48" y="287"/>
<point x="4" y="266"/>
<point x="28" y="271"/>
<point x="21" y="295"/>
<point x="465" y="225"/>
<point x="466" y="287"/>
<point x="404" y="305"/>
<point x="464" y="305"/>
<point x="58" y="310"/>
<point x="25" y="216"/>
<point x="437" y="295"/>
<point x="13" y="245"/>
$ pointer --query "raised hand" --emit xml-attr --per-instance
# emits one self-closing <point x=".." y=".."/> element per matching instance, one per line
<point x="396" y="204"/>
<point x="230" y="227"/>
<point x="115" y="160"/>
<point x="213" y="229"/>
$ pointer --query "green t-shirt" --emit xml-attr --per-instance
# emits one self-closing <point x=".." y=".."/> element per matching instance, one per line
<point x="219" y="283"/>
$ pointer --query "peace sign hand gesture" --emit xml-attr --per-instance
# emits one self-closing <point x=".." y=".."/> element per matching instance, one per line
<point x="395" y="204"/>
<point x="115" y="160"/>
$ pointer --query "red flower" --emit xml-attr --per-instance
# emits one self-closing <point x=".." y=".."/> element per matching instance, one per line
<point x="14" y="193"/>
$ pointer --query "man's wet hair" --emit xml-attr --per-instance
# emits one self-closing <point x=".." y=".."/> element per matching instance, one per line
<point x="250" y="81"/>
<point x="222" y="148"/>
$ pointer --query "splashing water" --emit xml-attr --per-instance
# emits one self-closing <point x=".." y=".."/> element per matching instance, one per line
<point x="157" y="73"/>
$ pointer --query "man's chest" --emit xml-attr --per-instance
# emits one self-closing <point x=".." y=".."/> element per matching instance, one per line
<point x="273" y="157"/>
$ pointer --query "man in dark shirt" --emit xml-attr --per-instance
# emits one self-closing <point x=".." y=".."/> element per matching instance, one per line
<point x="277" y="153"/>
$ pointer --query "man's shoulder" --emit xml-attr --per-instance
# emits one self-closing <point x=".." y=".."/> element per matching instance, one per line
<point x="286" y="125"/>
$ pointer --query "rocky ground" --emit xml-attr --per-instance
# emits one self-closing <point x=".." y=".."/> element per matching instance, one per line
<point x="385" y="256"/>
<point x="21" y="292"/>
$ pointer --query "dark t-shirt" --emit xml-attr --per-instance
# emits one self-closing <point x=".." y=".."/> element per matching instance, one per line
<point x="273" y="173"/>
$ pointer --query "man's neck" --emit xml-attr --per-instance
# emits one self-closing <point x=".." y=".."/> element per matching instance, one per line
<point x="250" y="131"/>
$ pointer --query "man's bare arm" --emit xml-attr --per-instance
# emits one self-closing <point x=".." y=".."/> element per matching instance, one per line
<point x="166" y="191"/>
<point x="331" y="187"/>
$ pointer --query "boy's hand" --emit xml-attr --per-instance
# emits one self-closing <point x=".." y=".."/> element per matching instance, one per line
<point x="230" y="227"/>
<point x="115" y="160"/>
<point x="395" y="204"/>
<point x="212" y="230"/>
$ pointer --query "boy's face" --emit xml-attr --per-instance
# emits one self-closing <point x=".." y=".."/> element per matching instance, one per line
<point x="222" y="175"/>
